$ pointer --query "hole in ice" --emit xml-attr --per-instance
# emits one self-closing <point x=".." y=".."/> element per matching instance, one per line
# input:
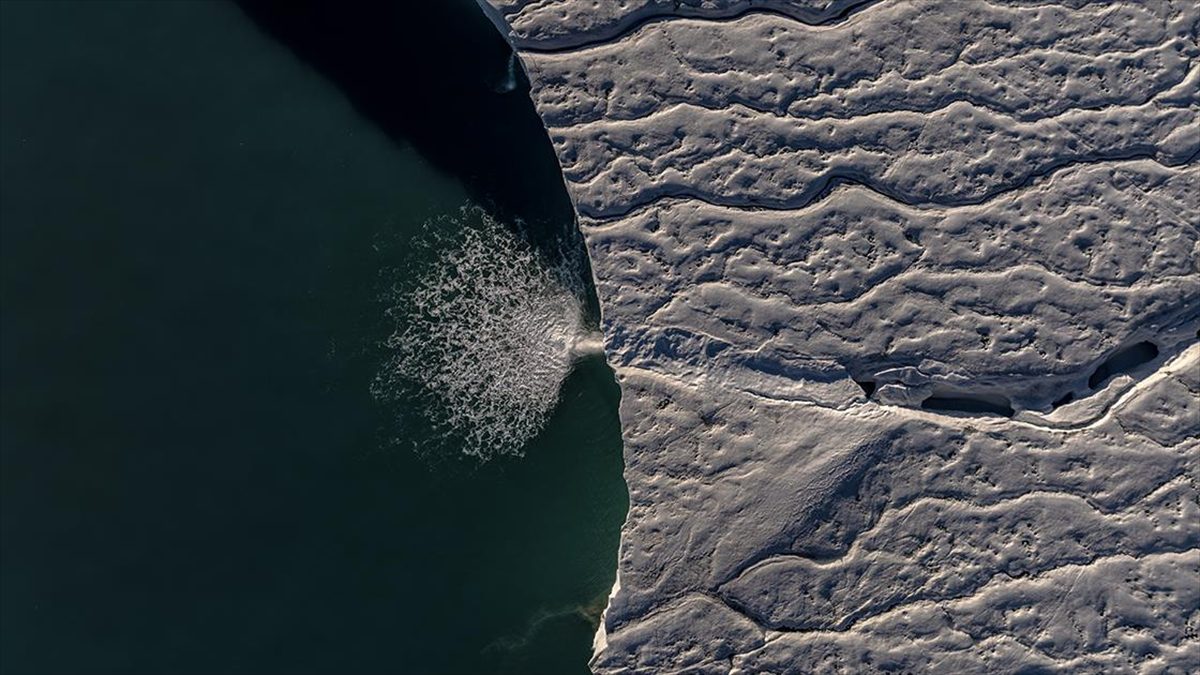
<point x="974" y="404"/>
<point x="1123" y="362"/>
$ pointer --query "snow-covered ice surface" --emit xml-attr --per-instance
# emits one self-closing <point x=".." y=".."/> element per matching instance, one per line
<point x="904" y="299"/>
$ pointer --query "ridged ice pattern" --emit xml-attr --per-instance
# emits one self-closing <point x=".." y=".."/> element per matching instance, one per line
<point x="904" y="300"/>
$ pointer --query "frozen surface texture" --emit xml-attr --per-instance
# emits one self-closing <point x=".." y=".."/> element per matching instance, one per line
<point x="903" y="298"/>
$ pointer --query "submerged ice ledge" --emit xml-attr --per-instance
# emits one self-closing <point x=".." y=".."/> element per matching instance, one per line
<point x="904" y="307"/>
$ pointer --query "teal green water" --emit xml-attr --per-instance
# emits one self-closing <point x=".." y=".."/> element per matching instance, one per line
<point x="197" y="232"/>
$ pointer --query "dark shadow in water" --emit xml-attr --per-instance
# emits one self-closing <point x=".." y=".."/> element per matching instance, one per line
<point x="186" y="274"/>
<point x="427" y="74"/>
<point x="438" y="77"/>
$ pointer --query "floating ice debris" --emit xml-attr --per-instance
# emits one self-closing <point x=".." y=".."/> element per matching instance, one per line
<point x="508" y="82"/>
<point x="487" y="334"/>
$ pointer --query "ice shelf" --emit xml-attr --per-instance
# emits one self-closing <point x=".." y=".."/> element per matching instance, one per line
<point x="903" y="298"/>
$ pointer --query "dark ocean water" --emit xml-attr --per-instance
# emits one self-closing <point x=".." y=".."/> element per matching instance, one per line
<point x="201" y="205"/>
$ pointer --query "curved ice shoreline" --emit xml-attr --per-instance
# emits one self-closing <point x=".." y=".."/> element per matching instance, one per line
<point x="811" y="371"/>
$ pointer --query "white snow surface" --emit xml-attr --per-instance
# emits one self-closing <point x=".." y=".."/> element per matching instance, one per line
<point x="903" y="298"/>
